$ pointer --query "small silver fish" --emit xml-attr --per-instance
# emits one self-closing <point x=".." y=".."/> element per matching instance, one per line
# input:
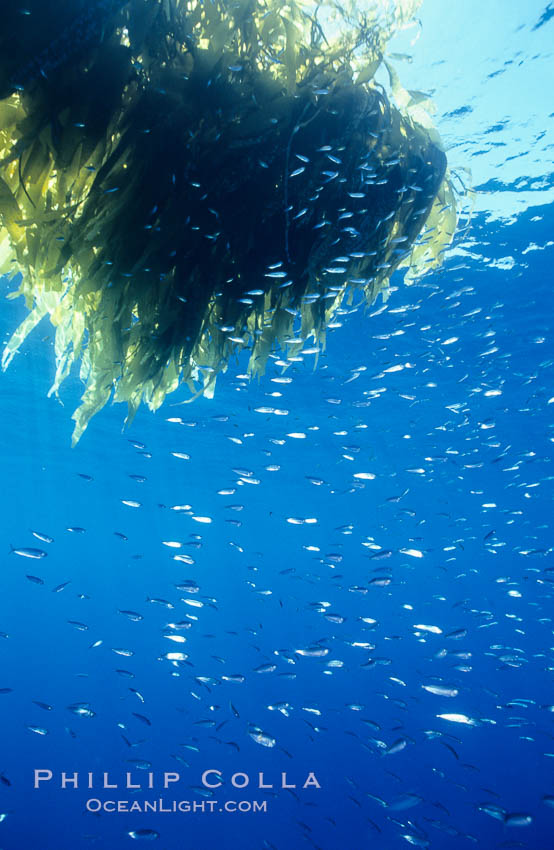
<point x="44" y="537"/>
<point x="28" y="552"/>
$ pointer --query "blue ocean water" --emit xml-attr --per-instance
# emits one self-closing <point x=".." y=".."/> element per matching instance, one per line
<point x="361" y="565"/>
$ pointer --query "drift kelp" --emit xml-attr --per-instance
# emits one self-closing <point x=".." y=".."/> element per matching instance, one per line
<point x="180" y="180"/>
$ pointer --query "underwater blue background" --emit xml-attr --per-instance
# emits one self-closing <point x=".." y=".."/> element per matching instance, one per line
<point x="445" y="398"/>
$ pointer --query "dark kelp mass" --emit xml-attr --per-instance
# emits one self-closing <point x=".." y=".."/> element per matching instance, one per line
<point x="179" y="180"/>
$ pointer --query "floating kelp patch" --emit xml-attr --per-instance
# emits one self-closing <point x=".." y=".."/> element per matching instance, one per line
<point x="179" y="180"/>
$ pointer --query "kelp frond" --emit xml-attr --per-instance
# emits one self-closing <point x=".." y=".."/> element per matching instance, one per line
<point x="181" y="180"/>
